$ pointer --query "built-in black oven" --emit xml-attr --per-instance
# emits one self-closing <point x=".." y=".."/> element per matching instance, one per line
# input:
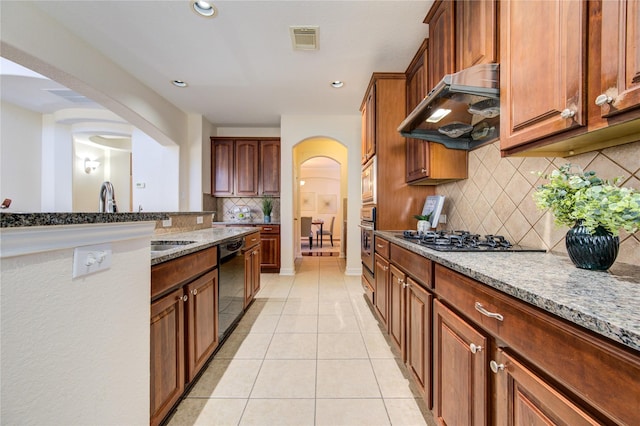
<point x="367" y="226"/>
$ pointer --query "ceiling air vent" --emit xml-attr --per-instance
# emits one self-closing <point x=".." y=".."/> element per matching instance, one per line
<point x="305" y="38"/>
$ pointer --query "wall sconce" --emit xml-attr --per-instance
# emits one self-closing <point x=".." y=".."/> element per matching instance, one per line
<point x="90" y="165"/>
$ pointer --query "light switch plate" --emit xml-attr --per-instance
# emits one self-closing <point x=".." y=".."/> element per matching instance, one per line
<point x="199" y="220"/>
<point x="90" y="259"/>
<point x="166" y="223"/>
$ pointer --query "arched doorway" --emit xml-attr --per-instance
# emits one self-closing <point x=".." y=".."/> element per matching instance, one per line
<point x="323" y="200"/>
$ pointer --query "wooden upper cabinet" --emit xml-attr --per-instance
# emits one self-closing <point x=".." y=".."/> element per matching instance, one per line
<point x="542" y="93"/>
<point x="441" y="41"/>
<point x="247" y="167"/>
<point x="476" y="33"/>
<point x="369" y="125"/>
<point x="620" y="63"/>
<point x="222" y="172"/>
<point x="270" y="167"/>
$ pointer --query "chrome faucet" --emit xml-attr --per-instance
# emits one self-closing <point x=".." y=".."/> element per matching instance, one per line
<point x="107" y="198"/>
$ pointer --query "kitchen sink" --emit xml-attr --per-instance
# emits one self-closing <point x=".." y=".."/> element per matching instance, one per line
<point x="168" y="245"/>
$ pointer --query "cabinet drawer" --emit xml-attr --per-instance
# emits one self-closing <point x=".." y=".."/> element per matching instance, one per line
<point x="176" y="272"/>
<point x="580" y="361"/>
<point x="382" y="247"/>
<point x="251" y="240"/>
<point x="418" y="267"/>
<point x="270" y="229"/>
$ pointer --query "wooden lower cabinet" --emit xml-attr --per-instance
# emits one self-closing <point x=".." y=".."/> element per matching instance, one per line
<point x="381" y="275"/>
<point x="202" y="322"/>
<point x="523" y="398"/>
<point x="419" y="334"/>
<point x="167" y="354"/>
<point x="460" y="365"/>
<point x="270" y="248"/>
<point x="397" y="311"/>
<point x="251" y="268"/>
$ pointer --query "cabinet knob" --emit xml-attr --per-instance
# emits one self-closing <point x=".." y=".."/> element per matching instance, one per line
<point x="405" y="285"/>
<point x="495" y="367"/>
<point x="184" y="298"/>
<point x="423" y="170"/>
<point x="474" y="348"/>
<point x="603" y="99"/>
<point x="194" y="291"/>
<point x="567" y="113"/>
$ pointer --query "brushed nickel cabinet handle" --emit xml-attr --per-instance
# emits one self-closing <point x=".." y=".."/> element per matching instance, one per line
<point x="484" y="312"/>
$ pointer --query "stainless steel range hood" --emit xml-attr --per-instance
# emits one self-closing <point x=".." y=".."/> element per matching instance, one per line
<point x="461" y="112"/>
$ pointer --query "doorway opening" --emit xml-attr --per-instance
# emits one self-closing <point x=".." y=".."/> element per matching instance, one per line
<point x="319" y="197"/>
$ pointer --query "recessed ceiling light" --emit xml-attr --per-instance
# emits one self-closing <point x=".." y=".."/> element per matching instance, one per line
<point x="179" y="83"/>
<point x="204" y="8"/>
<point x="337" y="84"/>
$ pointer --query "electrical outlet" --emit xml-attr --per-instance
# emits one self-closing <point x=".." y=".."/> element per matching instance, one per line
<point x="140" y="185"/>
<point x="443" y="218"/>
<point x="199" y="220"/>
<point x="166" y="223"/>
<point x="90" y="259"/>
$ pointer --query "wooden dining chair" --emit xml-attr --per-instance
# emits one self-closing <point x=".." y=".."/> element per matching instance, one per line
<point x="327" y="232"/>
<point x="305" y="229"/>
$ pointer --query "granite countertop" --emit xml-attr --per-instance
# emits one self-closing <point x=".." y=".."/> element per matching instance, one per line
<point x="14" y="220"/>
<point x="247" y="222"/>
<point x="202" y="239"/>
<point x="607" y="303"/>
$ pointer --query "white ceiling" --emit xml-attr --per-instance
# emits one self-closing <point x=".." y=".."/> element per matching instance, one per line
<point x="240" y="66"/>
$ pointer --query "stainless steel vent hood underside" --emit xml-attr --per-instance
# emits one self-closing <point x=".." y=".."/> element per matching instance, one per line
<point x="461" y="112"/>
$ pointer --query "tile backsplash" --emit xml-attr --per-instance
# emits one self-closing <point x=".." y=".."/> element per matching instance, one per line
<point x="225" y="206"/>
<point x="497" y="196"/>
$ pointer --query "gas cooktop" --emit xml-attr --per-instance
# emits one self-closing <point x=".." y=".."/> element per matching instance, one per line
<point x="463" y="241"/>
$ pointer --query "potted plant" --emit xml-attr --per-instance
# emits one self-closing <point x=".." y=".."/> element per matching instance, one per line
<point x="424" y="224"/>
<point x="594" y="208"/>
<point x="267" y="208"/>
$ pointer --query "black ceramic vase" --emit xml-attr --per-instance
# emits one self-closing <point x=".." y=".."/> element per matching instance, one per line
<point x="595" y="251"/>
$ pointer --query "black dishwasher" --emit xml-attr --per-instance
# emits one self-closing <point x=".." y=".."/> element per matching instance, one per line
<point x="230" y="286"/>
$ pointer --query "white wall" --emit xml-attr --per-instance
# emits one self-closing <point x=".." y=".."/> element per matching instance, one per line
<point x="345" y="129"/>
<point x="157" y="167"/>
<point x="57" y="166"/>
<point x="86" y="187"/>
<point x="20" y="156"/>
<point x="75" y="351"/>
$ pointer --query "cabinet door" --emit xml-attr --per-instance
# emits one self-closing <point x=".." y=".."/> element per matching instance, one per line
<point x="270" y="252"/>
<point x="246" y="152"/>
<point x="620" y="74"/>
<point x="255" y="270"/>
<point x="419" y="333"/>
<point x="460" y="370"/>
<point x="270" y="167"/>
<point x="397" y="316"/>
<point x="202" y="321"/>
<point x="381" y="274"/>
<point x="441" y="41"/>
<point x="476" y="30"/>
<point x="369" y="126"/>
<point x="248" y="278"/>
<point x="417" y="149"/>
<point x="523" y="398"/>
<point x="222" y="168"/>
<point x="543" y="93"/>
<point x="167" y="354"/>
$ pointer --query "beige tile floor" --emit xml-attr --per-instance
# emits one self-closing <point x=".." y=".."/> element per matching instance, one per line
<point x="309" y="351"/>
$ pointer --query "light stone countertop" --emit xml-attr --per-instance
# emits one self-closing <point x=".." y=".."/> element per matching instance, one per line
<point x="607" y="303"/>
<point x="202" y="239"/>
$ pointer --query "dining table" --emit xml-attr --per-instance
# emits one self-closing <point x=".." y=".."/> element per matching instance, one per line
<point x="318" y="222"/>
